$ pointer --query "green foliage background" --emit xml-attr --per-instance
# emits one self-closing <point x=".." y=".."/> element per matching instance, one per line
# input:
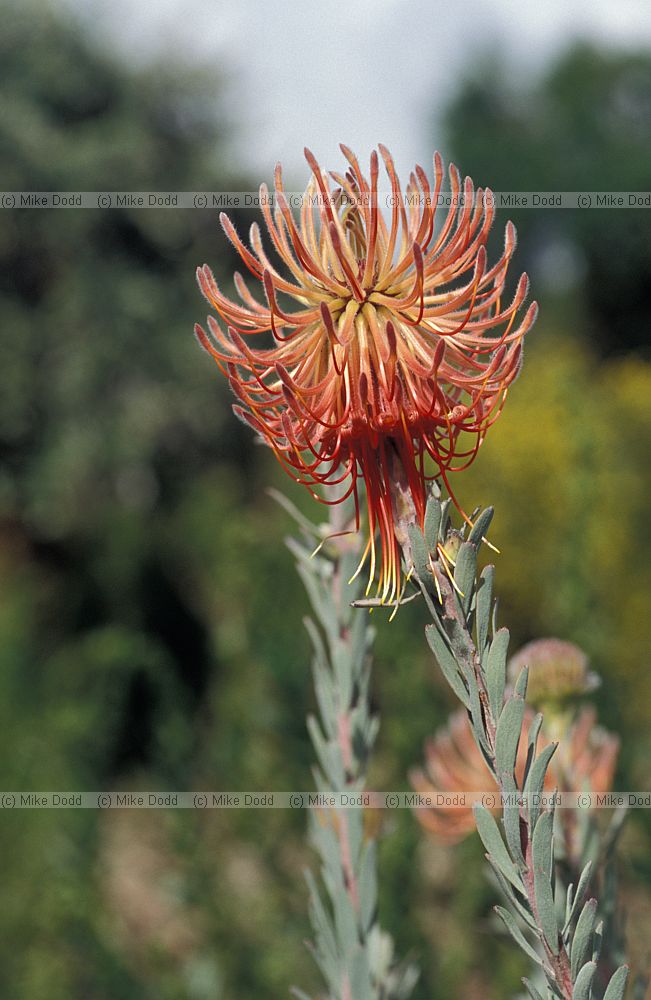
<point x="149" y="613"/>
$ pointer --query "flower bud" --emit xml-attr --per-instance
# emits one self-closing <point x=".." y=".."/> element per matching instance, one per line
<point x="558" y="671"/>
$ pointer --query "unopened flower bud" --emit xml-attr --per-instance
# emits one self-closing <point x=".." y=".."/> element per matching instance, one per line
<point x="558" y="671"/>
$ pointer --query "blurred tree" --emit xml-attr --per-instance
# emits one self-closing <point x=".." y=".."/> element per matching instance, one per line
<point x="107" y="411"/>
<point x="585" y="126"/>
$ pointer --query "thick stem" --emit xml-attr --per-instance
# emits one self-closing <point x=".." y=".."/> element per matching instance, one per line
<point x="470" y="665"/>
<point x="346" y="933"/>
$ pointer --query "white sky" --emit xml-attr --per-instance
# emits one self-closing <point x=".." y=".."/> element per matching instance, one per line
<point x="362" y="71"/>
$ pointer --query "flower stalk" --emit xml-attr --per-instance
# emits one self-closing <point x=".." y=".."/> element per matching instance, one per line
<point x="472" y="653"/>
<point x="355" y="956"/>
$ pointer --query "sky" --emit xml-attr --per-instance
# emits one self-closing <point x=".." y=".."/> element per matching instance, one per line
<point x="355" y="71"/>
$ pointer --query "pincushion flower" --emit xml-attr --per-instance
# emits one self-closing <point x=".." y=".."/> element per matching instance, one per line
<point x="391" y="342"/>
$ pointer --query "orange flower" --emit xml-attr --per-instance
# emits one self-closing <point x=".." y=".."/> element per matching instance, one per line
<point x="399" y="346"/>
<point x="584" y="761"/>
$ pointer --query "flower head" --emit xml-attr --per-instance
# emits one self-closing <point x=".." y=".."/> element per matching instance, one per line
<point x="558" y="671"/>
<point x="390" y="338"/>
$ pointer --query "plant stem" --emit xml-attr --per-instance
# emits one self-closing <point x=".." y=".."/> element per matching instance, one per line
<point x="522" y="851"/>
<point x="354" y="955"/>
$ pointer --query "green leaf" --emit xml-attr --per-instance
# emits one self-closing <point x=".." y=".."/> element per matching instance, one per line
<point x="325" y="840"/>
<point x="532" y="991"/>
<point x="447" y="663"/>
<point x="483" y="601"/>
<point x="492" y="840"/>
<point x="432" y="522"/>
<point x="496" y="670"/>
<point x="345" y="919"/>
<point x="322" y="926"/>
<point x="326" y="702"/>
<point x="532" y="744"/>
<point x="568" y="908"/>
<point x="368" y="886"/>
<point x="517" y="935"/>
<point x="419" y="554"/>
<point x="445" y="518"/>
<point x="360" y="976"/>
<point x="477" y="716"/>
<point x="321" y="604"/>
<point x="354" y="820"/>
<point x="481" y="526"/>
<point x="580" y="947"/>
<point x="542" y="879"/>
<point x="329" y="757"/>
<point x="464" y="574"/>
<point x="584" y="880"/>
<point x="617" y="984"/>
<point x="511" y="817"/>
<point x="535" y="782"/>
<point x="496" y="606"/>
<point x="507" y="737"/>
<point x="343" y="671"/>
<point x="360" y="637"/>
<point x="583" y="982"/>
<point x="520" y="688"/>
<point x="597" y="941"/>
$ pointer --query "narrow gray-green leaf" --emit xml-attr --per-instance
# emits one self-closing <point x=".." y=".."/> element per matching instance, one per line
<point x="597" y="941"/>
<point x="542" y="875"/>
<point x="343" y="671"/>
<point x="580" y="947"/>
<point x="432" y="523"/>
<point x="511" y="818"/>
<point x="321" y="922"/>
<point x="492" y="840"/>
<point x="419" y="554"/>
<point x="323" y="608"/>
<point x="532" y="744"/>
<point x="464" y="574"/>
<point x="368" y="886"/>
<point x="481" y="526"/>
<point x="509" y="728"/>
<point x="582" y="986"/>
<point x="361" y="986"/>
<point x="568" y="907"/>
<point x="532" y="991"/>
<point x="477" y="716"/>
<point x="447" y="663"/>
<point x="345" y="919"/>
<point x="329" y="758"/>
<point x="517" y="935"/>
<point x="496" y="607"/>
<point x="484" y="600"/>
<point x="520" y="688"/>
<point x="535" y="782"/>
<point x="496" y="670"/>
<point x="317" y="643"/>
<point x="617" y="984"/>
<point x="581" y="889"/>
